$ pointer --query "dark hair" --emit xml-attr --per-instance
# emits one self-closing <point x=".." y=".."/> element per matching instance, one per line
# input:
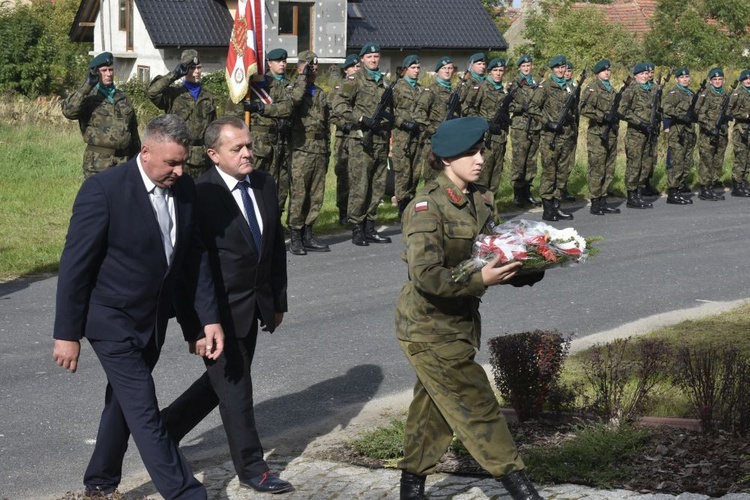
<point x="168" y="128"/>
<point x="212" y="136"/>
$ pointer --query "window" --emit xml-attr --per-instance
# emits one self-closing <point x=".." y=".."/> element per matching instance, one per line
<point x="295" y="19"/>
<point x="144" y="74"/>
<point x="125" y="21"/>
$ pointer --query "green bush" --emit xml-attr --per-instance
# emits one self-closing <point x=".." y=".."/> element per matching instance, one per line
<point x="383" y="443"/>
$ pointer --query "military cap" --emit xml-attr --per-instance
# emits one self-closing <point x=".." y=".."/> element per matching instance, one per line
<point x="570" y="65"/>
<point x="454" y="137"/>
<point x="650" y="66"/>
<point x="369" y="48"/>
<point x="640" y="68"/>
<point x="190" y="57"/>
<point x="744" y="75"/>
<point x="681" y="72"/>
<point x="103" y="59"/>
<point x="715" y="72"/>
<point x="601" y="66"/>
<point x="350" y="61"/>
<point x="526" y="58"/>
<point x="479" y="56"/>
<point x="307" y="56"/>
<point x="410" y="59"/>
<point x="442" y="62"/>
<point x="276" y="55"/>
<point x="558" y="61"/>
<point x="497" y="62"/>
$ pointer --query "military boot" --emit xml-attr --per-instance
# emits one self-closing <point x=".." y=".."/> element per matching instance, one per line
<point x="519" y="197"/>
<point x="565" y="194"/>
<point x="295" y="246"/>
<point x="606" y="208"/>
<point x="519" y="487"/>
<point x="549" y="210"/>
<point x="372" y="236"/>
<point x="685" y="189"/>
<point x="707" y="193"/>
<point x="633" y="201"/>
<point x="310" y="243"/>
<point x="342" y="217"/>
<point x="560" y="214"/>
<point x="596" y="206"/>
<point x="674" y="198"/>
<point x="529" y="198"/>
<point x="644" y="203"/>
<point x="739" y="190"/>
<point x="745" y="187"/>
<point x="358" y="235"/>
<point x="412" y="486"/>
<point x="647" y="190"/>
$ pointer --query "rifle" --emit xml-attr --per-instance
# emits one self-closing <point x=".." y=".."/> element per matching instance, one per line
<point x="690" y="115"/>
<point x="455" y="99"/>
<point x="502" y="115"/>
<point x="381" y="112"/>
<point x="722" y="118"/>
<point x="614" y="112"/>
<point x="655" y="109"/>
<point x="570" y="102"/>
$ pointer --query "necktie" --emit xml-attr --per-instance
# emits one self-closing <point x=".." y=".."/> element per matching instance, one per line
<point x="252" y="221"/>
<point x="165" y="221"/>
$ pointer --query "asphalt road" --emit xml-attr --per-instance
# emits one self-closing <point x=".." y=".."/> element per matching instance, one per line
<point x="336" y="349"/>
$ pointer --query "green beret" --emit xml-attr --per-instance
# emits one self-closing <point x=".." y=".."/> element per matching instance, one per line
<point x="650" y="66"/>
<point x="497" y="62"/>
<point x="409" y="60"/>
<point x="479" y="56"/>
<point x="744" y="75"/>
<point x="715" y="72"/>
<point x="350" y="61"/>
<point x="640" y="68"/>
<point x="601" y="66"/>
<point x="454" y="137"/>
<point x="369" y="48"/>
<point x="307" y="56"/>
<point x="558" y="61"/>
<point x="681" y="72"/>
<point x="190" y="57"/>
<point x="442" y="62"/>
<point x="526" y="58"/>
<point x="570" y="65"/>
<point x="103" y="59"/>
<point x="276" y="55"/>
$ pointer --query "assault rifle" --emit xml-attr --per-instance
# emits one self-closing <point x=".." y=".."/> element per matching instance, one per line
<point x="503" y="115"/>
<point x="653" y="120"/>
<point x="455" y="99"/>
<point x="690" y="116"/>
<point x="567" y="108"/>
<point x="381" y="113"/>
<point x="722" y="118"/>
<point x="613" y="112"/>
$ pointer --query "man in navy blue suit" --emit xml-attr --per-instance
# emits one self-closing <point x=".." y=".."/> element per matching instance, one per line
<point x="132" y="237"/>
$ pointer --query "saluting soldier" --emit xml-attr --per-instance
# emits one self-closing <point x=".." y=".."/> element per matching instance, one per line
<point x="555" y="142"/>
<point x="739" y="110"/>
<point x="340" y="146"/>
<point x="679" y="123"/>
<point x="640" y="146"/>
<point x="472" y="84"/>
<point x="105" y="116"/>
<point x="405" y="144"/>
<point x="713" y="139"/>
<point x="310" y="152"/>
<point x="357" y="103"/>
<point x="490" y="97"/>
<point x="191" y="101"/>
<point x="524" y="135"/>
<point x="597" y="101"/>
<point x="432" y="106"/>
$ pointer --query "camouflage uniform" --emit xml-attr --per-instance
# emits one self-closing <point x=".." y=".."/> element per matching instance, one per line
<point x="739" y="109"/>
<point x="711" y="149"/>
<point x="469" y="94"/>
<point x="405" y="146"/>
<point x="429" y="112"/>
<point x="438" y="327"/>
<point x="681" y="135"/>
<point x="110" y="129"/>
<point x="198" y="113"/>
<point x="340" y="155"/>
<point x="487" y="102"/>
<point x="525" y="136"/>
<point x="596" y="101"/>
<point x="640" y="150"/>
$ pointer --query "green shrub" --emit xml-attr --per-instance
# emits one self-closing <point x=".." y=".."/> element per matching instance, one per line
<point x="383" y="443"/>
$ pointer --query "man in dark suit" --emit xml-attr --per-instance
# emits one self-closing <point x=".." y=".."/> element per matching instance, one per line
<point x="240" y="225"/>
<point x="132" y="236"/>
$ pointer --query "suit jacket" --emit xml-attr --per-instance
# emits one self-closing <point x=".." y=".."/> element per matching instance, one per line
<point x="246" y="282"/>
<point x="114" y="282"/>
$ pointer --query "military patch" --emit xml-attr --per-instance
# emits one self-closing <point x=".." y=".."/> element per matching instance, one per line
<point x="426" y="89"/>
<point x="420" y="206"/>
<point x="475" y="88"/>
<point x="591" y="90"/>
<point x="453" y="196"/>
<point x="672" y="91"/>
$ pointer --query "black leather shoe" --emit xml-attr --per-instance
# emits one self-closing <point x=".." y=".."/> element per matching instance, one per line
<point x="644" y="203"/>
<point x="268" y="482"/>
<point x="596" y="207"/>
<point x="412" y="486"/>
<point x="518" y="197"/>
<point x="674" y="198"/>
<point x="560" y="214"/>
<point x="566" y="196"/>
<point x="295" y="242"/>
<point x="358" y="236"/>
<point x="549" y="213"/>
<point x="519" y="487"/>
<point x="649" y="191"/>
<point x="372" y="236"/>
<point x="707" y="193"/>
<point x="606" y="208"/>
<point x="100" y="492"/>
<point x="310" y="243"/>
<point x="685" y="189"/>
<point x="529" y="198"/>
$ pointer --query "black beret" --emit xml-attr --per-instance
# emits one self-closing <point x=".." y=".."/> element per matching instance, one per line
<point x="350" y="61"/>
<point x="744" y="75"/>
<point x="103" y="59"/>
<point x="640" y="68"/>
<point x="526" y="58"/>
<point x="715" y="72"/>
<point x="442" y="62"/>
<point x="497" y="62"/>
<point x="369" y="48"/>
<point x="681" y="72"/>
<point x="558" y="61"/>
<point x="479" y="56"/>
<point x="276" y="55"/>
<point x="410" y="59"/>
<point x="454" y="137"/>
<point x="601" y="66"/>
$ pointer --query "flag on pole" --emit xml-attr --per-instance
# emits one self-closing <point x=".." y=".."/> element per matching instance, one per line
<point x="246" y="55"/>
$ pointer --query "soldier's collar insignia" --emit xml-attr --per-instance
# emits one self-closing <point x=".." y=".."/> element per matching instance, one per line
<point x="455" y="198"/>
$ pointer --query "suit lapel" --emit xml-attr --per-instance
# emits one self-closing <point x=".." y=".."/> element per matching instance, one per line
<point x="230" y="205"/>
<point x="257" y="183"/>
<point x="142" y="207"/>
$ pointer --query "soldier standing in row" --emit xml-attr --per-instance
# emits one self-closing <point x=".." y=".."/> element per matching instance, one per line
<point x="571" y="163"/>
<point x="524" y="135"/>
<point x="646" y="188"/>
<point x="357" y="103"/>
<point x="714" y="136"/>
<point x="105" y="116"/>
<point x="597" y="103"/>
<point x="739" y="110"/>
<point x="488" y="100"/>
<point x="190" y="101"/>
<point x="472" y="84"/>
<point x="340" y="146"/>
<point x="556" y="138"/>
<point x="679" y="123"/>
<point x="310" y="142"/>
<point x="405" y="144"/>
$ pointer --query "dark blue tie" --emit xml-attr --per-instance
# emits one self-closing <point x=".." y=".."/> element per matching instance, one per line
<point x="252" y="221"/>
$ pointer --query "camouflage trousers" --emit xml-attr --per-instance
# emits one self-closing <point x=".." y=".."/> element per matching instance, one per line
<point x="494" y="156"/>
<point x="341" y="169"/>
<point x="571" y="163"/>
<point x="95" y="162"/>
<point x="711" y="154"/>
<point x="367" y="173"/>
<point x="601" y="169"/>
<point x="277" y="164"/>
<point x="406" y="165"/>
<point x="453" y="395"/>
<point x="523" y="161"/>
<point x="307" y="189"/>
<point x="680" y="147"/>
<point x="654" y="159"/>
<point x="741" y="165"/>
<point x="640" y="152"/>
<point x="554" y="163"/>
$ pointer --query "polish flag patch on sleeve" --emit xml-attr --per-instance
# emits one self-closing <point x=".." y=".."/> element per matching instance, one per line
<point x="420" y="206"/>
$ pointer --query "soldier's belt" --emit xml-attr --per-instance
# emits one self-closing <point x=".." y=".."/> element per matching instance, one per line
<point x="107" y="151"/>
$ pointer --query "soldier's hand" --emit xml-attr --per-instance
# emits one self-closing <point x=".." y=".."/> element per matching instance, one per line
<point x="552" y="126"/>
<point x="496" y="128"/>
<point x="254" y="106"/>
<point x="411" y="127"/>
<point x="308" y="70"/>
<point x="370" y="124"/>
<point x="92" y="78"/>
<point x="180" y="70"/>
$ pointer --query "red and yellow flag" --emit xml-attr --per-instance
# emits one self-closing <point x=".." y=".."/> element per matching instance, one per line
<point x="246" y="55"/>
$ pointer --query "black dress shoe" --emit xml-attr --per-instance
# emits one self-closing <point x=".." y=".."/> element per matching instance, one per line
<point x="99" y="492"/>
<point x="268" y="482"/>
